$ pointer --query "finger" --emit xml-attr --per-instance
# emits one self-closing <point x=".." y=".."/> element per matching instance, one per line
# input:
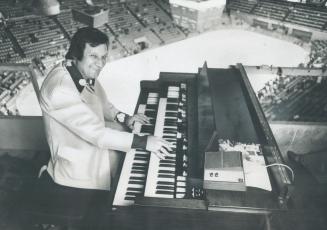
<point x="167" y="145"/>
<point x="172" y="145"/>
<point x="138" y="119"/>
<point x="170" y="153"/>
<point x="164" y="151"/>
<point x="159" y="155"/>
<point x="143" y="117"/>
<point x="131" y="123"/>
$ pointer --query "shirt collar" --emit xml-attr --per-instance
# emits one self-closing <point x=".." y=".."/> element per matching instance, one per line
<point x="77" y="77"/>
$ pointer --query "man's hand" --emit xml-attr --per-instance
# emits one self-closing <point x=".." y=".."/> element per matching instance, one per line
<point x="158" y="146"/>
<point x="141" y="118"/>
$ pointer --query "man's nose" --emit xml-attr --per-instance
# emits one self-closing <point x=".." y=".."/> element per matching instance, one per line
<point x="100" y="62"/>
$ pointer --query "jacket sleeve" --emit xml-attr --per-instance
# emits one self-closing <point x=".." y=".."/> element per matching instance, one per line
<point x="62" y="102"/>
<point x="109" y="110"/>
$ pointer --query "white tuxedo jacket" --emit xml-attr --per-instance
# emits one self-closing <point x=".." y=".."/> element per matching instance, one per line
<point x="75" y="127"/>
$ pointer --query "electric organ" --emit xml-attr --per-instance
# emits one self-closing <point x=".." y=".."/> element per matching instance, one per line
<point x="186" y="109"/>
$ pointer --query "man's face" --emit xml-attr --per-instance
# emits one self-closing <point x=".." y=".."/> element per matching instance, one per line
<point x="93" y="60"/>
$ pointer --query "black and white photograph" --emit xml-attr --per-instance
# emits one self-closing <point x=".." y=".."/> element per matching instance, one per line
<point x="163" y="114"/>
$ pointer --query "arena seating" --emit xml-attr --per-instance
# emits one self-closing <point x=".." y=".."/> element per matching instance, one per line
<point x="10" y="84"/>
<point x="126" y="28"/>
<point x="7" y="51"/>
<point x="270" y="10"/>
<point x="295" y="98"/>
<point x="241" y="6"/>
<point x="69" y="24"/>
<point x="68" y="4"/>
<point x="283" y="11"/>
<point x="156" y="19"/>
<point x="318" y="54"/>
<point x="164" y="4"/>
<point x="14" y="9"/>
<point x="39" y="37"/>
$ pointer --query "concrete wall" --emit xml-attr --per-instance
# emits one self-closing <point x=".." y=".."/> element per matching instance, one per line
<point x="22" y="134"/>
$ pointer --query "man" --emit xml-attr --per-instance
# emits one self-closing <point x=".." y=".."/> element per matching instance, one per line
<point x="82" y="147"/>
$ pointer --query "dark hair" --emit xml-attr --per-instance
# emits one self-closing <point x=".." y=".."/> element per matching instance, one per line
<point x="89" y="35"/>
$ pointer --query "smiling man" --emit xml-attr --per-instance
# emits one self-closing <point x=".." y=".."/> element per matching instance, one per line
<point x="84" y="149"/>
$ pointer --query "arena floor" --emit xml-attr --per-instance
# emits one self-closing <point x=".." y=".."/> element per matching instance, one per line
<point x="219" y="48"/>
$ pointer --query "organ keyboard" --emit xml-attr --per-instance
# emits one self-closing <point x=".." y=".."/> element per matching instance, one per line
<point x="132" y="181"/>
<point x="168" y="176"/>
<point x="184" y="109"/>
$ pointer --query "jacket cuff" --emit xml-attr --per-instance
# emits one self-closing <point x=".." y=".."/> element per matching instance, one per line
<point x="139" y="142"/>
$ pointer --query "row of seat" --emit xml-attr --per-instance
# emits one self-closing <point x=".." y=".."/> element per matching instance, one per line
<point x="300" y="14"/>
<point x="40" y="33"/>
<point x="14" y="9"/>
<point x="7" y="52"/>
<point x="318" y="54"/>
<point x="151" y="15"/>
<point x="295" y="98"/>
<point x="11" y="83"/>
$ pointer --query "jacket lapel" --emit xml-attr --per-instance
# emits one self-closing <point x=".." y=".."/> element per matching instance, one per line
<point x="76" y="76"/>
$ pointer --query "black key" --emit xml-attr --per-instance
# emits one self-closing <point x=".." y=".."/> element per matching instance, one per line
<point x="173" y="100"/>
<point x="168" y="137"/>
<point x="136" y="182"/>
<point x="148" y="106"/>
<point x="164" y="192"/>
<point x="166" y="165"/>
<point x="152" y="120"/>
<point x="135" y="189"/>
<point x="137" y="164"/>
<point x="140" y="154"/>
<point x="132" y="193"/>
<point x="150" y="113"/>
<point x="138" y="168"/>
<point x="165" y="183"/>
<point x="137" y="178"/>
<point x="170" y="123"/>
<point x="135" y="171"/>
<point x="140" y="151"/>
<point x="129" y="198"/>
<point x="170" y="158"/>
<point x="147" y="129"/>
<point x="165" y="187"/>
<point x="171" y="114"/>
<point x="168" y="161"/>
<point x="172" y="107"/>
<point x="166" y="171"/>
<point x="171" y="119"/>
<point x="169" y="130"/>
